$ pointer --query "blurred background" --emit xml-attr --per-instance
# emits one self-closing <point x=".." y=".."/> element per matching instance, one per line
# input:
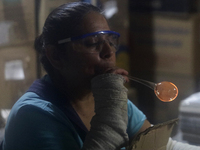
<point x="160" y="41"/>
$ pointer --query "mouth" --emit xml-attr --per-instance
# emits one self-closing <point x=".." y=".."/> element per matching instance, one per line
<point x="105" y="68"/>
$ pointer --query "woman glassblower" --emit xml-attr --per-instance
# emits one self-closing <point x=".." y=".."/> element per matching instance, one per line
<point x="81" y="103"/>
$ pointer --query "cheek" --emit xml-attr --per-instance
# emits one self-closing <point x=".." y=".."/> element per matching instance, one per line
<point x="82" y="63"/>
<point x="89" y="62"/>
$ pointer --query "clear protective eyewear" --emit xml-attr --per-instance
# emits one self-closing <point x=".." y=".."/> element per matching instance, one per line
<point x="93" y="42"/>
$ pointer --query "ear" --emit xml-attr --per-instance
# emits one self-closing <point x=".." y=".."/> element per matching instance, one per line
<point x="53" y="57"/>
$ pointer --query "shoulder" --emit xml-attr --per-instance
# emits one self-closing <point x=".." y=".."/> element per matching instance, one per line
<point x="30" y="105"/>
<point x="39" y="120"/>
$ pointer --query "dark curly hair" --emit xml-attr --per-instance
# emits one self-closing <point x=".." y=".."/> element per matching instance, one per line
<point x="61" y="23"/>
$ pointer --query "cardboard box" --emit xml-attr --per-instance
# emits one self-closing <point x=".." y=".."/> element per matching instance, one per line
<point x="17" y="22"/>
<point x="183" y="6"/>
<point x="18" y="71"/>
<point x="177" y="43"/>
<point x="171" y="44"/>
<point x="1" y="10"/>
<point x="153" y="138"/>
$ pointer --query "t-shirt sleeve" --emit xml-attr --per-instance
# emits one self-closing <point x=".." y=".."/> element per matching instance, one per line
<point x="136" y="119"/>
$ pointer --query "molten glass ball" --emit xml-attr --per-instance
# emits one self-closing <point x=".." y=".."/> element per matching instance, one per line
<point x="166" y="91"/>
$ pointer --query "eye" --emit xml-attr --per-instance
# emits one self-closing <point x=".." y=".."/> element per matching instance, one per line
<point x="113" y="40"/>
<point x="91" y="41"/>
<point x="114" y="36"/>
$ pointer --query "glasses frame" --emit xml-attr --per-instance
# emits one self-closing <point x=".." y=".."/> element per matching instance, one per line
<point x="71" y="39"/>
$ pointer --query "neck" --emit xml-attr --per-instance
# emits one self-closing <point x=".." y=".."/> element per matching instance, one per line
<point x="85" y="102"/>
<point x="72" y="89"/>
<point x="85" y="109"/>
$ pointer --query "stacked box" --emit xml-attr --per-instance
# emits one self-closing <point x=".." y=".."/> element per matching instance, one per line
<point x="17" y="22"/>
<point x="1" y="10"/>
<point x="18" y="71"/>
<point x="180" y="6"/>
<point x="174" y="42"/>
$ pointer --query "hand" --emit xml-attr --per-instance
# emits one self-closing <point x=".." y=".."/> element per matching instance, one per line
<point x="119" y="71"/>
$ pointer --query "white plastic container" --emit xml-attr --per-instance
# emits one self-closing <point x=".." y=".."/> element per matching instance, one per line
<point x="189" y="110"/>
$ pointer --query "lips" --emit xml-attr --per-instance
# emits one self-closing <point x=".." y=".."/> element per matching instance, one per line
<point x="104" y="68"/>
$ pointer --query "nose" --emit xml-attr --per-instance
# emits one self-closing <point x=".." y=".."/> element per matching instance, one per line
<point x="107" y="51"/>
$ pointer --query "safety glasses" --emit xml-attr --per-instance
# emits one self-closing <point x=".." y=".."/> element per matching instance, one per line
<point x="93" y="42"/>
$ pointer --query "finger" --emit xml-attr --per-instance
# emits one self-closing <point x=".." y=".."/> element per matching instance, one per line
<point x="119" y="71"/>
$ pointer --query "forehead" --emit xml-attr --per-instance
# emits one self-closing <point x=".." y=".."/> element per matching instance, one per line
<point x="93" y="22"/>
